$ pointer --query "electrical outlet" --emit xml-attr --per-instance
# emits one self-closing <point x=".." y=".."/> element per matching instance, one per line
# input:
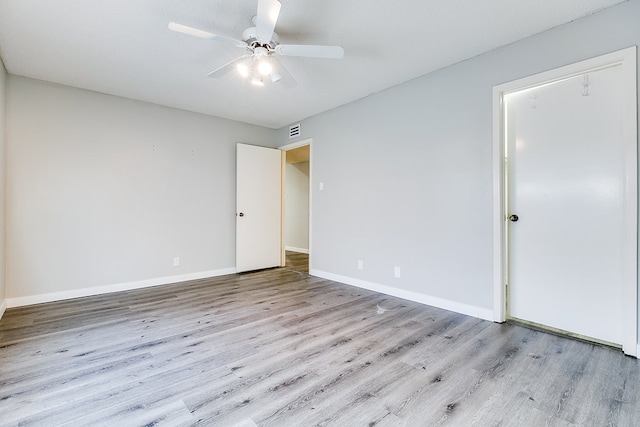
<point x="176" y="261"/>
<point x="396" y="272"/>
<point x="360" y="264"/>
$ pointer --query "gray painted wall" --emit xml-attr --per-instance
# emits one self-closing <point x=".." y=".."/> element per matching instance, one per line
<point x="420" y="194"/>
<point x="103" y="190"/>
<point x="297" y="205"/>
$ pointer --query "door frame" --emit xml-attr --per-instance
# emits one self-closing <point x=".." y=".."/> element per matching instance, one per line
<point x="285" y="148"/>
<point x="625" y="58"/>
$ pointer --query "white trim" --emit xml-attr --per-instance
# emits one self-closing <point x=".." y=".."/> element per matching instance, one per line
<point x="118" y="287"/>
<point x="297" y="144"/>
<point x="469" y="310"/>
<point x="626" y="58"/>
<point x="630" y="133"/>
<point x="311" y="168"/>
<point x="294" y="249"/>
<point x="3" y="308"/>
<point x="499" y="275"/>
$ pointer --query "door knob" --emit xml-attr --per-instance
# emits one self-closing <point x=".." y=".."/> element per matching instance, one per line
<point x="241" y="214"/>
<point x="513" y="218"/>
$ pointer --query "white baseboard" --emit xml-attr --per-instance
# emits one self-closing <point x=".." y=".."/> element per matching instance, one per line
<point x="3" y="308"/>
<point x="106" y="289"/>
<point x="294" y="249"/>
<point x="469" y="310"/>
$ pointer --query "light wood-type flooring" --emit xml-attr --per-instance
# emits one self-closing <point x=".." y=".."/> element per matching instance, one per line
<point x="281" y="348"/>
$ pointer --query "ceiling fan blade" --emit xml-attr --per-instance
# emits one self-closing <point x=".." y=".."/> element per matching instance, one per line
<point x="226" y="68"/>
<point x="179" y="28"/>
<point x="310" y="51"/>
<point x="268" y="12"/>
<point x="281" y="76"/>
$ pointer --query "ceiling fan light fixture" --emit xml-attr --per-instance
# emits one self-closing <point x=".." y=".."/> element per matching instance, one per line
<point x="243" y="69"/>
<point x="257" y="81"/>
<point x="275" y="77"/>
<point x="264" y="67"/>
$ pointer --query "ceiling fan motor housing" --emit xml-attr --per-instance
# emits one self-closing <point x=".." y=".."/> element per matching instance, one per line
<point x="249" y="36"/>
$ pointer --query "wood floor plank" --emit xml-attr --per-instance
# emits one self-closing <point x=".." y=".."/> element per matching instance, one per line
<point x="281" y="348"/>
<point x="315" y="360"/>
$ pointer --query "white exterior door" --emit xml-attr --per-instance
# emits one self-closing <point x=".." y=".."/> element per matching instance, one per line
<point x="566" y="184"/>
<point x="258" y="207"/>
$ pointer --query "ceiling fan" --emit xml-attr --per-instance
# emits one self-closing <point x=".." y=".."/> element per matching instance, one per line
<point x="262" y="46"/>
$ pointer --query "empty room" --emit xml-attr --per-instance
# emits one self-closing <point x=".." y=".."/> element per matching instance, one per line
<point x="301" y="213"/>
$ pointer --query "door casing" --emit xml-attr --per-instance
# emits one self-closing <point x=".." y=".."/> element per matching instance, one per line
<point x="625" y="58"/>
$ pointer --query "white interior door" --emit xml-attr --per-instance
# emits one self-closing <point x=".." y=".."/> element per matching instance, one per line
<point x="258" y="207"/>
<point x="566" y="184"/>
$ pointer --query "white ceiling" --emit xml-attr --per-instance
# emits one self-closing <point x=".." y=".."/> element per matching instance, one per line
<point x="123" y="47"/>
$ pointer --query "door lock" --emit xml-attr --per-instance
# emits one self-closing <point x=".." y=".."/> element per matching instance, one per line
<point x="513" y="218"/>
<point x="241" y="214"/>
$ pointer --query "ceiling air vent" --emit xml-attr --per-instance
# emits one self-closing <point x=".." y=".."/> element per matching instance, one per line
<point x="294" y="131"/>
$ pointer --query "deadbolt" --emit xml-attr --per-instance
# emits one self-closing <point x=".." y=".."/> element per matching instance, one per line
<point x="513" y="217"/>
<point x="241" y="214"/>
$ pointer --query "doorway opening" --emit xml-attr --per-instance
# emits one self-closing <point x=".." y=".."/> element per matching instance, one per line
<point x="559" y="244"/>
<point x="296" y="209"/>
